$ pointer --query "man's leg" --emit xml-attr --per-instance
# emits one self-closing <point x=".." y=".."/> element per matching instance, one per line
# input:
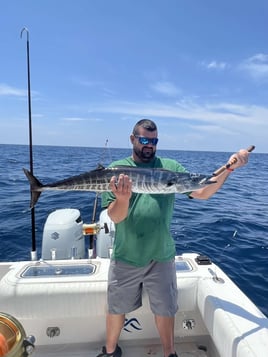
<point x="114" y="325"/>
<point x="165" y="326"/>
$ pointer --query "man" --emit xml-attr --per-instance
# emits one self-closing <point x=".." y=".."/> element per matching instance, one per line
<point x="144" y="251"/>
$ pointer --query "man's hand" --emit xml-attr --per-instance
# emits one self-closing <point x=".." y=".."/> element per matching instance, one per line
<point x="239" y="159"/>
<point x="121" y="188"/>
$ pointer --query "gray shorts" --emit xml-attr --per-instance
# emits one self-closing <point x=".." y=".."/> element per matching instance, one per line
<point x="126" y="282"/>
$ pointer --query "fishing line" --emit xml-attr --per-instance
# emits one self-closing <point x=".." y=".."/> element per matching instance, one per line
<point x="92" y="237"/>
<point x="214" y="273"/>
<point x="228" y="245"/>
<point x="104" y="155"/>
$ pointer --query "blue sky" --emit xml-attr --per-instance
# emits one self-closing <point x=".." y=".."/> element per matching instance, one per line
<point x="199" y="69"/>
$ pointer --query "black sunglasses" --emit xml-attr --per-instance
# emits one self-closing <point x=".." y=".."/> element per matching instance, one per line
<point x="145" y="141"/>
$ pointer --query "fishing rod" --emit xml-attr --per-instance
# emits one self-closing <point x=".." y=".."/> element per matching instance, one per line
<point x="227" y="166"/>
<point x="33" y="252"/>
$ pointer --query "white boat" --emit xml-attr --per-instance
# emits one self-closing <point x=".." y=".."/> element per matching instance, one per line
<point x="61" y="301"/>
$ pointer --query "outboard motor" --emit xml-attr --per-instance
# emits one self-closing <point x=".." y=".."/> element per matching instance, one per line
<point x="63" y="235"/>
<point x="105" y="237"/>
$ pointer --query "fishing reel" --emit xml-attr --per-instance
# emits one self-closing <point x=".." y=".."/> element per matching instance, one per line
<point x="94" y="228"/>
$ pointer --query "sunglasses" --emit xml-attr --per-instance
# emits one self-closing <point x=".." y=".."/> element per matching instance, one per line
<point x="145" y="141"/>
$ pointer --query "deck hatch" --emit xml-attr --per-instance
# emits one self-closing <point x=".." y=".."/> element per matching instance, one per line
<point x="183" y="266"/>
<point x="58" y="270"/>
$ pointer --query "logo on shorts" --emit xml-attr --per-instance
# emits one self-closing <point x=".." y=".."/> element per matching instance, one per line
<point x="132" y="324"/>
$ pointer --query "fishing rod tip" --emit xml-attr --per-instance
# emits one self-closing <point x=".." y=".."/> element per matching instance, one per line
<point x="24" y="29"/>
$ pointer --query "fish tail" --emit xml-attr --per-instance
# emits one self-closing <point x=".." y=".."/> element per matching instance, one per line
<point x="35" y="187"/>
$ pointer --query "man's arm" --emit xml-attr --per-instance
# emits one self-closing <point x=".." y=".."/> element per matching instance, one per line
<point x="236" y="160"/>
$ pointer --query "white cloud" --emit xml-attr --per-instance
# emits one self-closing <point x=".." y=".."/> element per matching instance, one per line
<point x="77" y="119"/>
<point x="256" y="66"/>
<point x="166" y="88"/>
<point x="73" y="119"/>
<point x="230" y="117"/>
<point x="11" y="91"/>
<point x="212" y="129"/>
<point x="99" y="85"/>
<point x="215" y="65"/>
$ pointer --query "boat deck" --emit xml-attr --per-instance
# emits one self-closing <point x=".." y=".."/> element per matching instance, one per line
<point x="186" y="349"/>
<point x="63" y="305"/>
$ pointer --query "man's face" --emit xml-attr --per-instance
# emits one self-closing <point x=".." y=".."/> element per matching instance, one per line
<point x="144" y="150"/>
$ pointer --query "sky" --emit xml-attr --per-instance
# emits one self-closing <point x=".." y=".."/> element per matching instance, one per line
<point x="199" y="69"/>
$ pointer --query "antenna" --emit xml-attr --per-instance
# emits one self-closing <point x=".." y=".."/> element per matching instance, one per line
<point x="33" y="252"/>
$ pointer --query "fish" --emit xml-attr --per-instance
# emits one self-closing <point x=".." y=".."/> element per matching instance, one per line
<point x="144" y="180"/>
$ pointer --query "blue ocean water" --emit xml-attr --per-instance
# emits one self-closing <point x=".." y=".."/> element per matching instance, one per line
<point x="231" y="227"/>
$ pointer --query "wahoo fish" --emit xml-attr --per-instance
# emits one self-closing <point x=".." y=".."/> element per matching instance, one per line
<point x="144" y="180"/>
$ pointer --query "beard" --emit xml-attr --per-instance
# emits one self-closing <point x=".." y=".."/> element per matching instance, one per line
<point x="146" y="154"/>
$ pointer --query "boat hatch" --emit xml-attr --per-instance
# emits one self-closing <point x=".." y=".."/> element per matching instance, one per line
<point x="183" y="266"/>
<point x="53" y="270"/>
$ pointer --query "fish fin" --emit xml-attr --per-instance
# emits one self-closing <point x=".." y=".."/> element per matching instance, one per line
<point x="35" y="184"/>
<point x="99" y="167"/>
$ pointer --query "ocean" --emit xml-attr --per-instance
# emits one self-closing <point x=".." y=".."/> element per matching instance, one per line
<point x="231" y="227"/>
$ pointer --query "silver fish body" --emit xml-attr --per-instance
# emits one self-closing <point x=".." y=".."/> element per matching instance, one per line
<point x="144" y="180"/>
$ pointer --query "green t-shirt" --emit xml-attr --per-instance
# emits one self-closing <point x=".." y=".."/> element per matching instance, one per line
<point x="144" y="235"/>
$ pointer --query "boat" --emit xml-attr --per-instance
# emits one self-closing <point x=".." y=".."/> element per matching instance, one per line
<point x="55" y="306"/>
